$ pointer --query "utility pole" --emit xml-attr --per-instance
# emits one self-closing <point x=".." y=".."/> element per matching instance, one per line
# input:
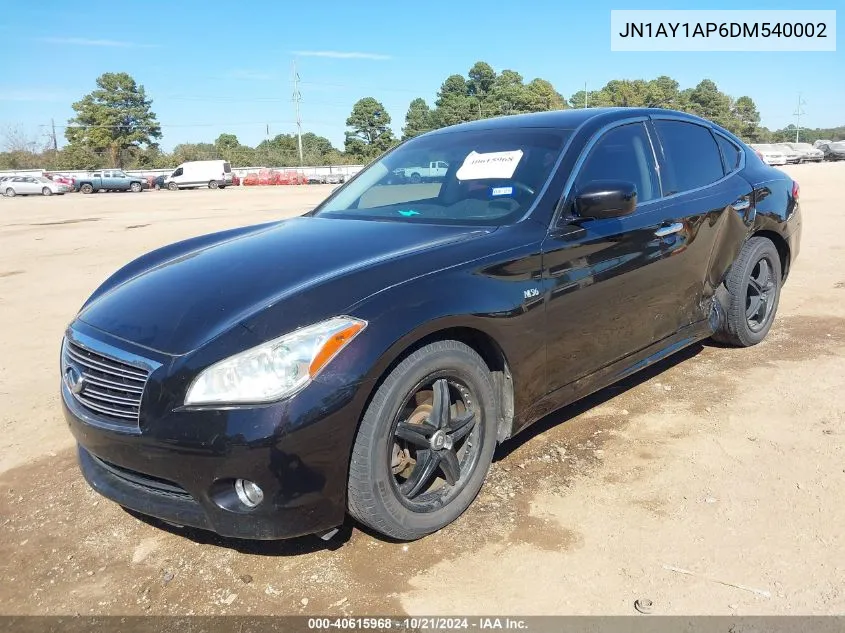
<point x="297" y="98"/>
<point x="55" y="142"/>
<point x="797" y="114"/>
<point x="586" y="96"/>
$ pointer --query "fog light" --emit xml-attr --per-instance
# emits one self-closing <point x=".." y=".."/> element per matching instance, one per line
<point x="248" y="492"/>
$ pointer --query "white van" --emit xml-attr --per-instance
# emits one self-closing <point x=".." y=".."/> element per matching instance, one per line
<point x="200" y="173"/>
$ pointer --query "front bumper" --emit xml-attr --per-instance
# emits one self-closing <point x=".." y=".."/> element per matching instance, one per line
<point x="180" y="465"/>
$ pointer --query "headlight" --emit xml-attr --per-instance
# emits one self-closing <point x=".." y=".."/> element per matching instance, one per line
<point x="274" y="369"/>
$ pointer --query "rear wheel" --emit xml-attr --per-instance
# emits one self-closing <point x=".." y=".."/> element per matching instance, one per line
<point x="10" y="193"/>
<point x="213" y="184"/>
<point x="425" y="443"/>
<point x="157" y="186"/>
<point x="172" y="186"/>
<point x="753" y="292"/>
<point x="135" y="187"/>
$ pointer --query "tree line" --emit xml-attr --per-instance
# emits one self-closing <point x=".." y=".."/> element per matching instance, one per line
<point x="115" y="126"/>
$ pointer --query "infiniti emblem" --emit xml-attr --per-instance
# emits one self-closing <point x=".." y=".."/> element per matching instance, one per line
<point x="75" y="380"/>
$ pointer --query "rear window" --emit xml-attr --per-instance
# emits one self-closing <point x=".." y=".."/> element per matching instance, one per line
<point x="693" y="159"/>
<point x="227" y="168"/>
<point x="730" y="153"/>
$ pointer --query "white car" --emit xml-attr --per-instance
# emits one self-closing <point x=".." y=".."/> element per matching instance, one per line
<point x="809" y="154"/>
<point x="793" y="156"/>
<point x="821" y="142"/>
<point x="770" y="154"/>
<point x="31" y="185"/>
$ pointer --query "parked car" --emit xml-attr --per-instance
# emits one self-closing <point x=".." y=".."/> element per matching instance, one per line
<point x="159" y="182"/>
<point x="770" y="154"/>
<point x="817" y="144"/>
<point x="792" y="156"/>
<point x="110" y="180"/>
<point x="32" y="185"/>
<point x="236" y="180"/>
<point x="62" y="179"/>
<point x="834" y="150"/>
<point x="213" y="174"/>
<point x="368" y="356"/>
<point x="315" y="179"/>
<point x="416" y="173"/>
<point x="808" y="153"/>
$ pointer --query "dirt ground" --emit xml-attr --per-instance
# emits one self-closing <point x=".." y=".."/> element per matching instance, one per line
<point x="725" y="463"/>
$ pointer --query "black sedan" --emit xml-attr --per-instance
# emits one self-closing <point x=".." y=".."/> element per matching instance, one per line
<point x="367" y="357"/>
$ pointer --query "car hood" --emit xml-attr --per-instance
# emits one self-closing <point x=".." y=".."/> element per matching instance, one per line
<point x="175" y="304"/>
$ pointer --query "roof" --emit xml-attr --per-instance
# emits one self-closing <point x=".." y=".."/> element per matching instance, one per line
<point x="561" y="119"/>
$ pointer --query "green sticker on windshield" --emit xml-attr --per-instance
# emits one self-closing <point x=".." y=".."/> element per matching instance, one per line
<point x="408" y="214"/>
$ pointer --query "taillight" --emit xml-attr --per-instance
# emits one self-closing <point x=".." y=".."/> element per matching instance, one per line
<point x="795" y="190"/>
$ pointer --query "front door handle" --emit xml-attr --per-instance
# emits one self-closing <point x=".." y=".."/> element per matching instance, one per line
<point x="669" y="229"/>
<point x="740" y="205"/>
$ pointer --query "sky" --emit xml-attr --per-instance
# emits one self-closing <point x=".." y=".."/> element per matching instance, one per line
<point x="213" y="67"/>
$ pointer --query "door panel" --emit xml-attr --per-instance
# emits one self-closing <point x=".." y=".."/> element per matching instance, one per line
<point x="612" y="293"/>
<point x="712" y="206"/>
<point x="610" y="285"/>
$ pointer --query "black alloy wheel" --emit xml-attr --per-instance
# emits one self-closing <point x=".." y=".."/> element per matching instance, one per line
<point x="759" y="294"/>
<point x="750" y="294"/>
<point x="425" y="442"/>
<point x="434" y="452"/>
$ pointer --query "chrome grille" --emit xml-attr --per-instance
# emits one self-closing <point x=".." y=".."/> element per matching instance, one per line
<point x="109" y="388"/>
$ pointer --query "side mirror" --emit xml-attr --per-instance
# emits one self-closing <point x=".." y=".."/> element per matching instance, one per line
<point x="603" y="199"/>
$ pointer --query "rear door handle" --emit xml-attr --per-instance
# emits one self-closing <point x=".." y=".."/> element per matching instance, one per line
<point x="669" y="229"/>
<point x="740" y="205"/>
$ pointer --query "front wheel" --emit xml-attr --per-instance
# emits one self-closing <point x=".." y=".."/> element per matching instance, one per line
<point x="753" y="291"/>
<point x="87" y="188"/>
<point x="425" y="443"/>
<point x="46" y="191"/>
<point x="172" y="186"/>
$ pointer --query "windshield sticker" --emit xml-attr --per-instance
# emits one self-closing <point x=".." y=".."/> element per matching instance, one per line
<point x="492" y="165"/>
<point x="501" y="191"/>
<point x="408" y="213"/>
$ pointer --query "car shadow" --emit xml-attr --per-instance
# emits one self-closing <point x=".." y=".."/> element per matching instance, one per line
<point x="285" y="547"/>
<point x="312" y="544"/>
<point x="575" y="409"/>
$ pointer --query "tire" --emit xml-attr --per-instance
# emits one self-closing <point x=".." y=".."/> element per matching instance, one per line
<point x="374" y="491"/>
<point x="135" y="187"/>
<point x="46" y="191"/>
<point x="213" y="184"/>
<point x="172" y="186"/>
<point x="416" y="178"/>
<point x="745" y="289"/>
<point x="157" y="187"/>
<point x="87" y="188"/>
<point x="10" y="193"/>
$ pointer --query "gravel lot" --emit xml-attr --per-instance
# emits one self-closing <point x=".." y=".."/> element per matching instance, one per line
<point x="725" y="463"/>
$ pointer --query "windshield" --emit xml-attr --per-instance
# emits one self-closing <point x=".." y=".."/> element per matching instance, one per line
<point x="486" y="177"/>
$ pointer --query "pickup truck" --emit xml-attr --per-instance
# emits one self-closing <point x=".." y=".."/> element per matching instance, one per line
<point x="109" y="180"/>
<point x="434" y="170"/>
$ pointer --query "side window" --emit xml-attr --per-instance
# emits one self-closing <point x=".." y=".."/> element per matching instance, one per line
<point x="97" y="174"/>
<point x="623" y="153"/>
<point x="730" y="153"/>
<point x="693" y="159"/>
